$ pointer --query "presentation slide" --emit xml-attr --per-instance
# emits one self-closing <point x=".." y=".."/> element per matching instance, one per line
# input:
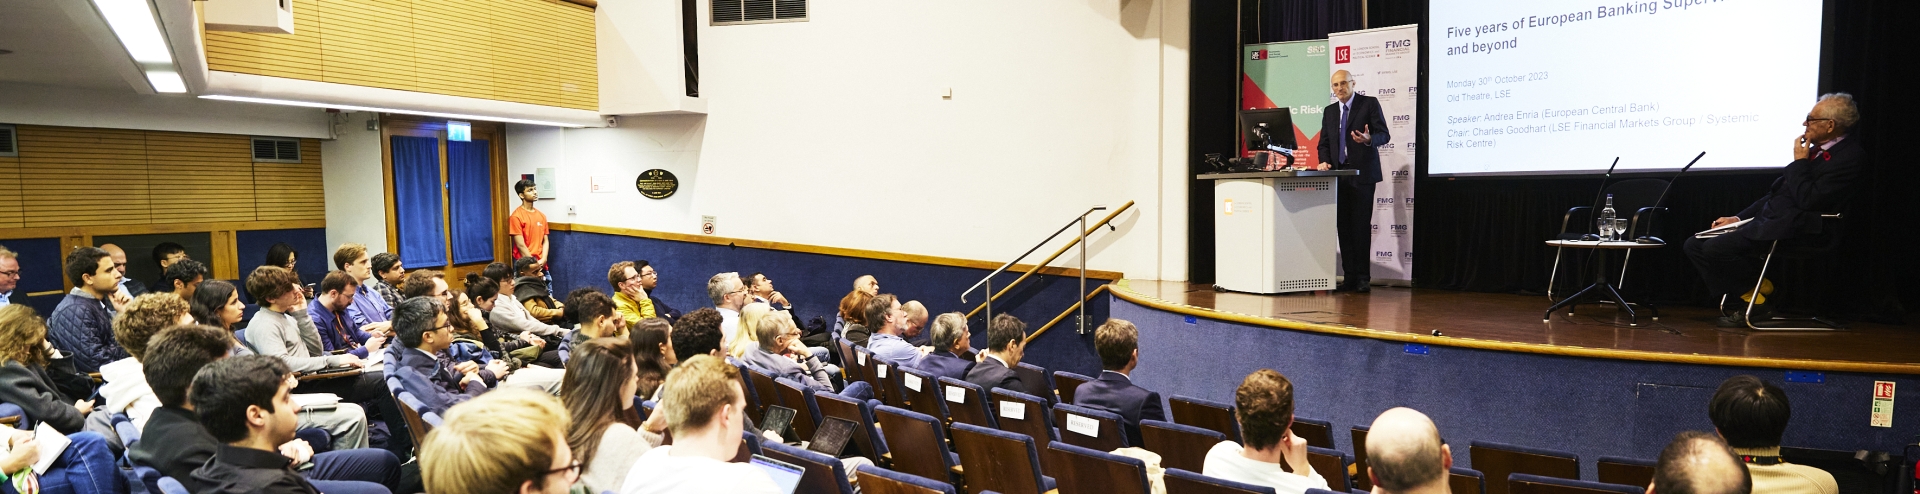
<point x="1540" y="87"/>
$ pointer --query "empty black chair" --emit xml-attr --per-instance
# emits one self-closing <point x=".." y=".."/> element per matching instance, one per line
<point x="999" y="461"/>
<point x="1498" y="460"/>
<point x="1179" y="446"/>
<point x="1186" y="410"/>
<point x="923" y="441"/>
<point x="1183" y="481"/>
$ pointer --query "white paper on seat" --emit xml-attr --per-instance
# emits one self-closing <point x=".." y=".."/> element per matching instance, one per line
<point x="1085" y="426"/>
<point x="912" y="381"/>
<point x="1013" y="410"/>
<point x="956" y="394"/>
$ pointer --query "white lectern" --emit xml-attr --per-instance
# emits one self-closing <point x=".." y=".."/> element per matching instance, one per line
<point x="1274" y="231"/>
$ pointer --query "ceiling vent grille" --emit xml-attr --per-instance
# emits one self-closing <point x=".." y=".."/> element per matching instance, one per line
<point x="276" y="150"/>
<point x="9" y="145"/>
<point x="734" y="12"/>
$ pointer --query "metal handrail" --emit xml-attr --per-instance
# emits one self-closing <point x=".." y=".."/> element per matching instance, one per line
<point x="1081" y="220"/>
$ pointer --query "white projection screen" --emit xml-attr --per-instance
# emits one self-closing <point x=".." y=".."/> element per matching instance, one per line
<point x="1539" y="87"/>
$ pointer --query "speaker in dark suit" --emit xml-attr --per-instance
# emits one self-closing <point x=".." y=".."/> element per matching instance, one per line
<point x="1351" y="131"/>
<point x="1115" y="392"/>
<point x="1829" y="166"/>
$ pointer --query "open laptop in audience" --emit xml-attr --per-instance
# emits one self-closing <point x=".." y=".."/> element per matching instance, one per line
<point x="785" y="475"/>
<point x="831" y="437"/>
<point x="776" y="420"/>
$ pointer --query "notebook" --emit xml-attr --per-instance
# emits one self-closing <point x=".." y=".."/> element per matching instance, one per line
<point x="831" y="437"/>
<point x="785" y="475"/>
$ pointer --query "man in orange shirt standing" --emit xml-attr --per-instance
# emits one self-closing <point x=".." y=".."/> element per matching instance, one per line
<point x="528" y="226"/>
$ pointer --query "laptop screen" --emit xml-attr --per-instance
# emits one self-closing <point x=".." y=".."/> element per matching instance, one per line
<point x="777" y="419"/>
<point x="785" y="475"/>
<point x="832" y="436"/>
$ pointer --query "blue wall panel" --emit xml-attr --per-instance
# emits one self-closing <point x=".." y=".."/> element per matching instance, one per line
<point x="815" y="283"/>
<point x="314" y="257"/>
<point x="1592" y="407"/>
<point x="40" y="271"/>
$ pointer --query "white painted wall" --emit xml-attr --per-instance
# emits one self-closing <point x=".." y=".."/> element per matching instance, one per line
<point x="355" y="185"/>
<point x="834" y="132"/>
<point x="124" y="109"/>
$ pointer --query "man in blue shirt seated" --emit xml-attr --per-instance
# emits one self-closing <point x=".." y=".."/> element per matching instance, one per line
<point x="889" y="323"/>
<point x="425" y="333"/>
<point x="783" y="355"/>
<point x="1118" y="343"/>
<point x="329" y="314"/>
<point x="367" y="307"/>
<point x="951" y="356"/>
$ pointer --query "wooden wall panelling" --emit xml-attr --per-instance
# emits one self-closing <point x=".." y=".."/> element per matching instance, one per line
<point x="449" y="47"/>
<point x="200" y="177"/>
<point x="580" y="77"/>
<point x="74" y="176"/>
<point x="293" y="56"/>
<point x="226" y="261"/>
<point x="368" y="43"/>
<point x="524" y="45"/>
<point x="291" y="191"/>
<point x="11" y="212"/>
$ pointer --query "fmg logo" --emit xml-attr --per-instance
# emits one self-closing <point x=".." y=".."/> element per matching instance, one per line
<point x="1387" y="146"/>
<point x="1383" y="254"/>
<point x="1399" y="173"/>
<point x="1413" y="90"/>
<point x="1412" y="146"/>
<point x="1342" y="54"/>
<point x="1408" y="201"/>
<point x="1387" y="92"/>
<point x="1405" y="43"/>
<point x="1383" y="200"/>
<point x="1400" y="119"/>
<point x="1408" y="256"/>
<point x="1259" y="54"/>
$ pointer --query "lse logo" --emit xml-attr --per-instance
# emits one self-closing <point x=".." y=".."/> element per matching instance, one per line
<point x="1400" y="44"/>
<point x="1342" y="54"/>
<point x="1259" y="54"/>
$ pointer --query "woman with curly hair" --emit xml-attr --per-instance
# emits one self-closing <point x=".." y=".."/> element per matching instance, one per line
<point x="86" y="465"/>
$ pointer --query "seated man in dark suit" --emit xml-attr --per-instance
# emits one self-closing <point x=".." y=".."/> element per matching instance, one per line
<point x="950" y="338"/>
<point x="1006" y="337"/>
<point x="175" y="443"/>
<point x="424" y="333"/>
<point x="1828" y="167"/>
<point x="1118" y="343"/>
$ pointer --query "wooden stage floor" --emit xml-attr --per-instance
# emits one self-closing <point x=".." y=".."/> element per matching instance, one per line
<point x="1512" y="322"/>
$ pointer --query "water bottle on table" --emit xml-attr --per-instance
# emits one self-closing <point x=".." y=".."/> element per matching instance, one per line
<point x="1605" y="220"/>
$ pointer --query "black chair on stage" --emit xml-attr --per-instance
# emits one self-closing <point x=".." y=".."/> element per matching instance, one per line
<point x="1636" y="197"/>
<point x="1801" y="247"/>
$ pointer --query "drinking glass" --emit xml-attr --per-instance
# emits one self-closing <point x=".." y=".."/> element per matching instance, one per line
<point x="1619" y="228"/>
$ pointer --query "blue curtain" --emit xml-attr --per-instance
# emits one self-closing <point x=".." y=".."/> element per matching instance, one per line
<point x="416" y="197"/>
<point x="470" y="186"/>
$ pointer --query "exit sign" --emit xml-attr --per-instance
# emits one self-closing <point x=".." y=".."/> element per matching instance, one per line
<point x="458" y="131"/>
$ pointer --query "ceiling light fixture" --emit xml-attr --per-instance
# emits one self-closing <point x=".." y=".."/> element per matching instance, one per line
<point x="455" y="116"/>
<point x="134" y="24"/>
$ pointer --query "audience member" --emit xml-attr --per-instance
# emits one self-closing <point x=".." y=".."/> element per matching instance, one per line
<point x="761" y="287"/>
<point x="83" y="322"/>
<point x="9" y="275"/>
<point x="853" y="318"/>
<point x="86" y="465"/>
<point x="367" y="308"/>
<point x="509" y="317"/>
<point x="595" y="312"/>
<point x="531" y="289"/>
<point x="706" y="414"/>
<point x="281" y="327"/>
<point x="505" y="442"/>
<point x="217" y="303"/>
<point x="175" y="443"/>
<point x="650" y="278"/>
<point x="167" y="253"/>
<point x="182" y="278"/>
<point x="128" y="286"/>
<point x="697" y="333"/>
<point x="1404" y="454"/>
<point x="951" y="356"/>
<point x="601" y="382"/>
<point x="244" y="402"/>
<point x="781" y="354"/>
<point x="1006" y="344"/>
<point x="24" y="379"/>
<point x="282" y="255"/>
<point x="867" y="284"/>
<point x="328" y="311"/>
<point x="125" y="387"/>
<point x="1264" y="407"/>
<point x="499" y="338"/>
<point x="421" y="324"/>
<point x="528" y="227"/>
<point x="1118" y="343"/>
<point x="388" y="271"/>
<point x="1699" y="463"/>
<point x="888" y="322"/>
<point x="916" y="324"/>
<point x="630" y="294"/>
<point x="1752" y="415"/>
<point x="653" y="353"/>
<point x="745" y="336"/>
<point x="728" y="295"/>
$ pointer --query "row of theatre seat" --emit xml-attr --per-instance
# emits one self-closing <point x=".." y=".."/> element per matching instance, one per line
<point x="963" y="437"/>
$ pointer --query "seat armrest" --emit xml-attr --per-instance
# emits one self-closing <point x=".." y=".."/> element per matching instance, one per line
<point x="1565" y="220"/>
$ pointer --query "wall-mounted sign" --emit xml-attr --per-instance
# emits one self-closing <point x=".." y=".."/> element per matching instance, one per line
<point x="657" y="184"/>
<point x="458" y="131"/>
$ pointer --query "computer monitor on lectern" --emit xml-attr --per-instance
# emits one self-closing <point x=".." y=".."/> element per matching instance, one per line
<point x="1277" y="130"/>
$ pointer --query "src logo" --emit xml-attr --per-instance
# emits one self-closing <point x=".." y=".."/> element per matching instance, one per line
<point x="1316" y="50"/>
<point x="1342" y="54"/>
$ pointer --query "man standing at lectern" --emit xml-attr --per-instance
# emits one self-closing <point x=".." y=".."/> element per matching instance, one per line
<point x="1352" y="128"/>
<point x="1828" y="166"/>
